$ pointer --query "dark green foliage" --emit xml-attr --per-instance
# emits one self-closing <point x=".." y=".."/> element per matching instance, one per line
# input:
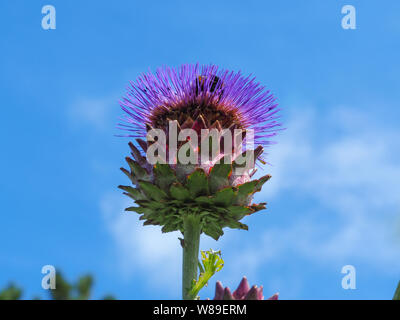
<point x="152" y="191"/>
<point x="224" y="197"/>
<point x="83" y="287"/>
<point x="64" y="290"/>
<point x="12" y="292"/>
<point x="179" y="192"/>
<point x="197" y="184"/>
<point x="81" y="290"/>
<point x="138" y="171"/>
<point x="219" y="177"/>
<point x="135" y="194"/>
<point x="164" y="175"/>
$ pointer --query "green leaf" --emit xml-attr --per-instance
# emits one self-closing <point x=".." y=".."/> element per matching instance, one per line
<point x="139" y="172"/>
<point x="12" y="292"/>
<point x="63" y="290"/>
<point x="156" y="205"/>
<point x="179" y="192"/>
<point x="169" y="227"/>
<point x="197" y="183"/>
<point x="238" y="212"/>
<point x="244" y="191"/>
<point x="213" y="230"/>
<point x="236" y="225"/>
<point x="152" y="191"/>
<point x="224" y="197"/>
<point x="211" y="263"/>
<point x="164" y="175"/>
<point x="133" y="193"/>
<point x="129" y="175"/>
<point x="139" y="210"/>
<point x="183" y="170"/>
<point x="261" y="181"/>
<point x="219" y="177"/>
<point x="84" y="286"/>
<point x="204" y="200"/>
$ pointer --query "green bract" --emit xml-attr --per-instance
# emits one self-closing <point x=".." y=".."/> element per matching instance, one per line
<point x="165" y="197"/>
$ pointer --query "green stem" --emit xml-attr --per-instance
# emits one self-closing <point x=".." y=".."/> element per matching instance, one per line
<point x="192" y="230"/>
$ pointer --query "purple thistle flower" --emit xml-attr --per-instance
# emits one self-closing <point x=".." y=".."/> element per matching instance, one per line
<point x="197" y="197"/>
<point x="221" y="187"/>
<point x="191" y="90"/>
<point x="243" y="292"/>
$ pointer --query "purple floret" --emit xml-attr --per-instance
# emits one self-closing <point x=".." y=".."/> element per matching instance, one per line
<point x="172" y="88"/>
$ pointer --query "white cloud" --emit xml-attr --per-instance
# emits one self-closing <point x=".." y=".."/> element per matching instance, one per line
<point x="142" y="250"/>
<point x="358" y="159"/>
<point x="95" y="112"/>
<point x="351" y="174"/>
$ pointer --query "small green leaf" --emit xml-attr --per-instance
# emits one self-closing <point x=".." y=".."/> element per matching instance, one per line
<point x="164" y="175"/>
<point x="169" y="227"/>
<point x="213" y="230"/>
<point x="133" y="192"/>
<point x="151" y="222"/>
<point x="156" y="205"/>
<point x="261" y="181"/>
<point x="219" y="177"/>
<point x="197" y="183"/>
<point x="129" y="175"/>
<point x="204" y="200"/>
<point x="244" y="191"/>
<point x="211" y="263"/>
<point x="179" y="192"/>
<point x="238" y="212"/>
<point x="236" y="225"/>
<point x="137" y="170"/>
<point x="224" y="197"/>
<point x="152" y="191"/>
<point x="139" y="210"/>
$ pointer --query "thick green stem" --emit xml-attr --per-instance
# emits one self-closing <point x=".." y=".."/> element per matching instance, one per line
<point x="192" y="230"/>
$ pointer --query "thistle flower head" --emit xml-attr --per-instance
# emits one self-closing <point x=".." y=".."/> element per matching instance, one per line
<point x="199" y="97"/>
<point x="196" y="97"/>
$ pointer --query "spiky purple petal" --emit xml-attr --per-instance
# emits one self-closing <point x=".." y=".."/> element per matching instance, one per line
<point x="175" y="87"/>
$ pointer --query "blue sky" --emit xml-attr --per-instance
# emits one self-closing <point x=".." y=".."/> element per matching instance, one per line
<point x="333" y="199"/>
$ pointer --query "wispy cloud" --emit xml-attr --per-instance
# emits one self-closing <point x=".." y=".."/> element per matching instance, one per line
<point x="352" y="175"/>
<point x="142" y="250"/>
<point x="97" y="113"/>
